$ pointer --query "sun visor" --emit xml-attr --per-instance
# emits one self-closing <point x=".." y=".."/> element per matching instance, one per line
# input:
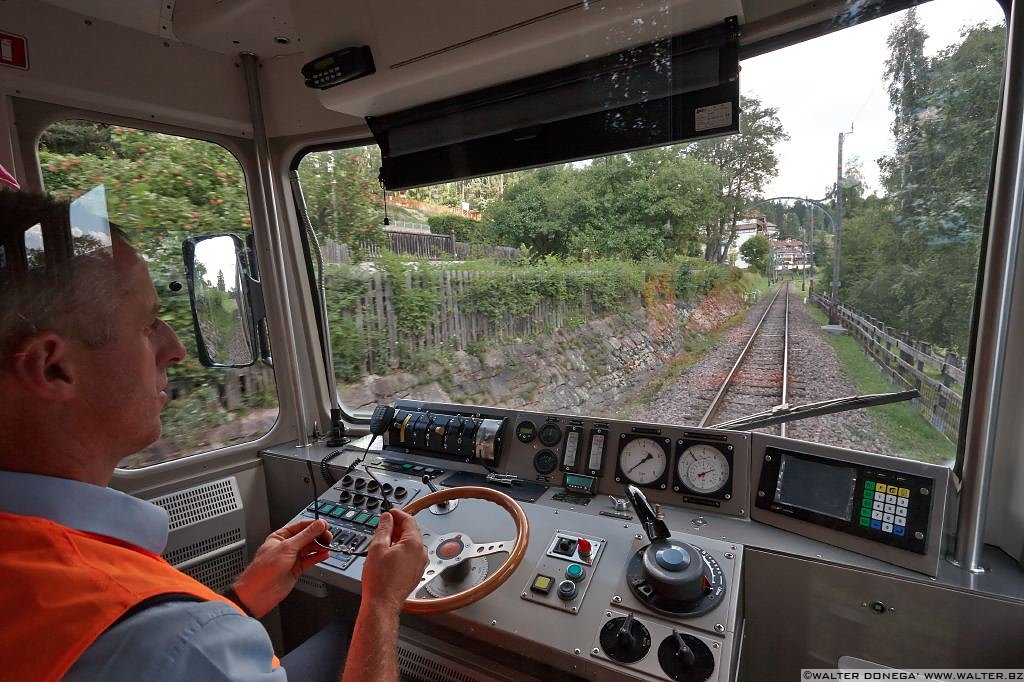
<point x="670" y="91"/>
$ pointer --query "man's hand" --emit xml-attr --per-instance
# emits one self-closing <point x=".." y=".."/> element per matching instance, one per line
<point x="279" y="562"/>
<point x="394" y="562"/>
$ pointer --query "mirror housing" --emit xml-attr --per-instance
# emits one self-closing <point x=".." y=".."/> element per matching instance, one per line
<point x="227" y="302"/>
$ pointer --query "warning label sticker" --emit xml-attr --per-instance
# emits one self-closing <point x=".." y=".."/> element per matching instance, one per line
<point x="13" y="51"/>
<point x="714" y="116"/>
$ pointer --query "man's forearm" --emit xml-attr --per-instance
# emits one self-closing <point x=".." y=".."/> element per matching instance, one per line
<point x="373" y="652"/>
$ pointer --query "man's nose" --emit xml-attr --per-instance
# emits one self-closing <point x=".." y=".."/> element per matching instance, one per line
<point x="174" y="351"/>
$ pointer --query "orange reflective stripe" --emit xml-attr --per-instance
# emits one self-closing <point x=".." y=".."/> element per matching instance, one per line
<point x="63" y="588"/>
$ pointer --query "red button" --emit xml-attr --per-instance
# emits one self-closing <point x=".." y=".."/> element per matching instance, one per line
<point x="449" y="549"/>
<point x="584" y="547"/>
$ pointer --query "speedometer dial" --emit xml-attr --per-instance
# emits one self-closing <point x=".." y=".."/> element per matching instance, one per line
<point x="703" y="469"/>
<point x="643" y="461"/>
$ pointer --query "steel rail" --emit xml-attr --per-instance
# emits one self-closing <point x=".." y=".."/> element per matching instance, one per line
<point x="785" y="363"/>
<point x="716" y="402"/>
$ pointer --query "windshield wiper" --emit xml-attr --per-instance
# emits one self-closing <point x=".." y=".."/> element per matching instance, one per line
<point x="788" y="413"/>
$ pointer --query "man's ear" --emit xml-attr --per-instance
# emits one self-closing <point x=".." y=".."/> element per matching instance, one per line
<point x="41" y="364"/>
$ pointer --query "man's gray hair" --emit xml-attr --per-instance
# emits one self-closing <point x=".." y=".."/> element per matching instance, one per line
<point x="74" y="296"/>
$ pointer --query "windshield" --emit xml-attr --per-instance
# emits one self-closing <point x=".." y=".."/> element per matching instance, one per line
<point x="628" y="286"/>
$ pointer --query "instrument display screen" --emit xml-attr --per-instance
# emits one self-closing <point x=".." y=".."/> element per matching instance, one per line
<point x="823" y="488"/>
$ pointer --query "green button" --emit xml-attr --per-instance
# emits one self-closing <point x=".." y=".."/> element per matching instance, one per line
<point x="574" y="572"/>
<point x="338" y="512"/>
<point x="374" y="520"/>
<point x="363" y="516"/>
<point x="865" y="520"/>
<point x="869" y="485"/>
<point x="407" y="466"/>
<point x="869" y="492"/>
<point x="326" y="507"/>
<point x="312" y="506"/>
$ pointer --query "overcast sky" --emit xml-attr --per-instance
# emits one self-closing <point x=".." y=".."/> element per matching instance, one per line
<point x="822" y="86"/>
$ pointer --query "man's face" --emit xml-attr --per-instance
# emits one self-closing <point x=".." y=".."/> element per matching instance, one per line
<point x="123" y="382"/>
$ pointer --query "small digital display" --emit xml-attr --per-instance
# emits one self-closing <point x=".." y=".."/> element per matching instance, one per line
<point x="580" y="483"/>
<point x="323" y="63"/>
<point x="821" y="488"/>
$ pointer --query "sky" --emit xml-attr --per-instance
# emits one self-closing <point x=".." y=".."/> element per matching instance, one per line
<point x="823" y="86"/>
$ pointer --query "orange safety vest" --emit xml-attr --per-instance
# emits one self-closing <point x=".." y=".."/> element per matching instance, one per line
<point x="60" y="589"/>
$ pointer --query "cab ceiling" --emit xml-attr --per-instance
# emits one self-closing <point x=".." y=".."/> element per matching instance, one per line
<point x="424" y="50"/>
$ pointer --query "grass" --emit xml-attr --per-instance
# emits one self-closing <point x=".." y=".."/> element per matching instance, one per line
<point x="900" y="423"/>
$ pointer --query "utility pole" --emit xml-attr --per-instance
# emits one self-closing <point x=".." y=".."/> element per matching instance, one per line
<point x="833" y="317"/>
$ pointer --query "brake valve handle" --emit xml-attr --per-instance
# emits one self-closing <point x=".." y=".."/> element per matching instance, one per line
<point x="655" y="527"/>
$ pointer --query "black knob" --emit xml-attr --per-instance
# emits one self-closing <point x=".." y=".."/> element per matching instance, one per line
<point x="360" y="483"/>
<point x="358" y="499"/>
<point x="625" y="639"/>
<point x="344" y="496"/>
<point x="346" y="480"/>
<point x="400" y="492"/>
<point x="386" y="488"/>
<point x="686" y="658"/>
<point x="372" y="502"/>
<point x="372" y="486"/>
<point x="567" y="590"/>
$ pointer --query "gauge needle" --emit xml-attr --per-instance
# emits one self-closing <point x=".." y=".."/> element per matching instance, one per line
<point x="649" y="456"/>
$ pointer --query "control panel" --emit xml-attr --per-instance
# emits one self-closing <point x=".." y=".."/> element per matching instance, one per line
<point x="877" y="505"/>
<point x="606" y="587"/>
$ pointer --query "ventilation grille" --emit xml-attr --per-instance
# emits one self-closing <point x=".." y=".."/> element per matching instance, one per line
<point x="218" y="573"/>
<point x="200" y="503"/>
<point x="419" y="665"/>
<point x="200" y="548"/>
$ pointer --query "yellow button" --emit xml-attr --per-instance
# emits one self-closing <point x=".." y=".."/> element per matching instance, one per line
<point x="904" y="492"/>
<point x="542" y="583"/>
<point x="889" y="489"/>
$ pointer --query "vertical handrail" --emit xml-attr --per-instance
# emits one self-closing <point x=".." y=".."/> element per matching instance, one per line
<point x="265" y="206"/>
<point x="1004" y="227"/>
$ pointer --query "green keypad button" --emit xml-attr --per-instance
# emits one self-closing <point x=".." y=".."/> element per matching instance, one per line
<point x="374" y="520"/>
<point x="338" y="512"/>
<point x="326" y="508"/>
<point x="363" y="516"/>
<point x="865" y="520"/>
<point x="869" y="485"/>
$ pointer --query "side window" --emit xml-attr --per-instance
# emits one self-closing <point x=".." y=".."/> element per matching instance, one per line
<point x="161" y="189"/>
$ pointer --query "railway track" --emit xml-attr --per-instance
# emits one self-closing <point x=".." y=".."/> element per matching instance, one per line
<point x="758" y="379"/>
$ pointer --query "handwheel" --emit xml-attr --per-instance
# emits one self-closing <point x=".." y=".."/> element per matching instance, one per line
<point x="450" y="549"/>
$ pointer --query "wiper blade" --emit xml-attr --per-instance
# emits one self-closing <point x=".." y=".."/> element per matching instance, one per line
<point x="788" y="413"/>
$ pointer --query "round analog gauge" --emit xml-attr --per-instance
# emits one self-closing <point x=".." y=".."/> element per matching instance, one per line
<point x="703" y="469"/>
<point x="545" y="462"/>
<point x="550" y="434"/>
<point x="643" y="461"/>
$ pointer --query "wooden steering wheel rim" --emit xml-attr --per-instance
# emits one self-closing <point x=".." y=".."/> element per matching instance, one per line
<point x="491" y="582"/>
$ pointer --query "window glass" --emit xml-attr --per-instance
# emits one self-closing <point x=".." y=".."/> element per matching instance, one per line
<point x="626" y="286"/>
<point x="161" y="189"/>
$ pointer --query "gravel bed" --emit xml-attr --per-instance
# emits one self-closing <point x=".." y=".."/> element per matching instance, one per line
<point x="814" y="374"/>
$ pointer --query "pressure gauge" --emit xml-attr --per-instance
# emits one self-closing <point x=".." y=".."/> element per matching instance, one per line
<point x="703" y="469"/>
<point x="643" y="460"/>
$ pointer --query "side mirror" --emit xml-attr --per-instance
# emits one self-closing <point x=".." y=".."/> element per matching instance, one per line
<point x="227" y="303"/>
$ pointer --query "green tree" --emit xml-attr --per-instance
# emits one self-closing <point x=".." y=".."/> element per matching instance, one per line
<point x="745" y="161"/>
<point x="339" y="188"/>
<point x="756" y="252"/>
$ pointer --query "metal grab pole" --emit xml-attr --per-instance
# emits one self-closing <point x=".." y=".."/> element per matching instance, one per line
<point x="989" y="360"/>
<point x="265" y="206"/>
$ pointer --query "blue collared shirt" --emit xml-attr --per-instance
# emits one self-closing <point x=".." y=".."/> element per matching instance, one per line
<point x="172" y="641"/>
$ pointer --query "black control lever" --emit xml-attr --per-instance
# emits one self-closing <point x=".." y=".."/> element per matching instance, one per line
<point x="655" y="527"/>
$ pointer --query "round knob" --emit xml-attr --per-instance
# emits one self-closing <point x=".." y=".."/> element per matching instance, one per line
<point x="344" y="496"/>
<point x="360" y="483"/>
<point x="674" y="570"/>
<point x="386" y="488"/>
<point x="567" y="590"/>
<point x="400" y="492"/>
<point x="575" y="572"/>
<point x="685" y="658"/>
<point x="358" y="499"/>
<point x="347" y="480"/>
<point x="625" y="639"/>
<point x="372" y="502"/>
<point x="371" y="486"/>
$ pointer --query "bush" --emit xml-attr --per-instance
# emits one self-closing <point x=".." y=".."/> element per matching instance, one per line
<point x="465" y="229"/>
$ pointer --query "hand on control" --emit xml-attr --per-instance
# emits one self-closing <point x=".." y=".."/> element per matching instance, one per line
<point x="280" y="560"/>
<point x="394" y="561"/>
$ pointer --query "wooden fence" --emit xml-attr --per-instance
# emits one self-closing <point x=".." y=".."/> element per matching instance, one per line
<point x="451" y="325"/>
<point x="420" y="245"/>
<point x="910" y="363"/>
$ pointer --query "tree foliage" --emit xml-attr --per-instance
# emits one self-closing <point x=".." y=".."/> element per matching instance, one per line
<point x="911" y="257"/>
<point x="756" y="251"/>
